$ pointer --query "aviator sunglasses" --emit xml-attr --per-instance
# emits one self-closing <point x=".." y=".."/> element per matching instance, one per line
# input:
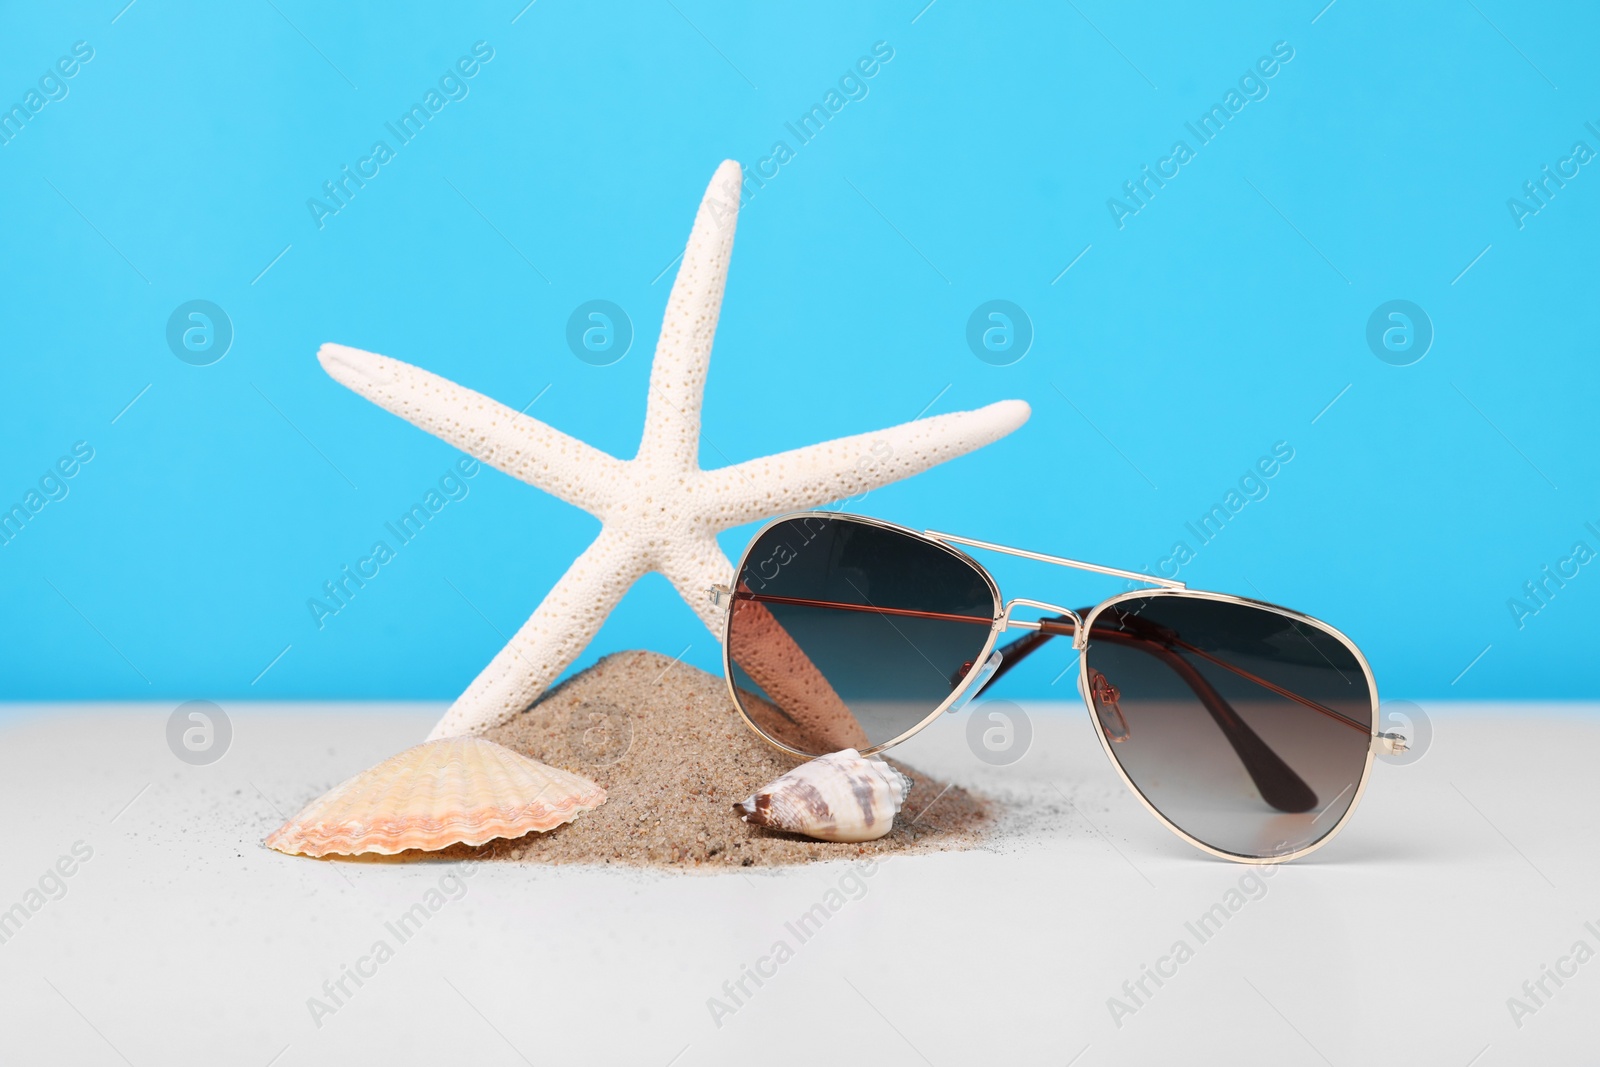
<point x="1248" y="729"/>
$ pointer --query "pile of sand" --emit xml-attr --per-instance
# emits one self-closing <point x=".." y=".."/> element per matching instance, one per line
<point x="674" y="756"/>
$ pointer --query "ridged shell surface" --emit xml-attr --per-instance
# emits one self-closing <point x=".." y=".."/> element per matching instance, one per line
<point x="458" y="790"/>
<point x="837" y="797"/>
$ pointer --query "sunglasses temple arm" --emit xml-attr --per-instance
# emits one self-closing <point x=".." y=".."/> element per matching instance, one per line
<point x="1016" y="650"/>
<point x="1277" y="782"/>
<point x="1278" y="689"/>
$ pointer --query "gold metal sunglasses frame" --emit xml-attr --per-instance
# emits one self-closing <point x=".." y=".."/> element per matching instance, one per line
<point x="1082" y="624"/>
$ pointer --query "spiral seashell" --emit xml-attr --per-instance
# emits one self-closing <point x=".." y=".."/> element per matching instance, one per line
<point x="458" y="790"/>
<point x="837" y="797"/>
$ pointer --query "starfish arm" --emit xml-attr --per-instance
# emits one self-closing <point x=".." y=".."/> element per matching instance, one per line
<point x="559" y="629"/>
<point x="795" y="695"/>
<point x="693" y="567"/>
<point x="678" y="375"/>
<point x="518" y="444"/>
<point x="818" y="474"/>
<point x="765" y="651"/>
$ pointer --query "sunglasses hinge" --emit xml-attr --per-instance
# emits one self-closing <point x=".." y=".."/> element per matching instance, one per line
<point x="1392" y="744"/>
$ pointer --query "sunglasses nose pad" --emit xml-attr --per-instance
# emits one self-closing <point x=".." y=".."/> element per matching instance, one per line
<point x="985" y="672"/>
<point x="1105" y="697"/>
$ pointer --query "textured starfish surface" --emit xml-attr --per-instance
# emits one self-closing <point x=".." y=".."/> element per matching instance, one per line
<point x="658" y="511"/>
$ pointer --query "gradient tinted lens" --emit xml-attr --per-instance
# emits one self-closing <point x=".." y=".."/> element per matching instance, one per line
<point x="844" y="634"/>
<point x="1247" y="729"/>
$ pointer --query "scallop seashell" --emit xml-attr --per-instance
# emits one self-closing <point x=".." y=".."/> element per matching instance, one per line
<point x="837" y="797"/>
<point x="458" y="790"/>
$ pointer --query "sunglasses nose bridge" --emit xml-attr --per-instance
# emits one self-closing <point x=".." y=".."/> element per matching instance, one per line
<point x="1079" y="639"/>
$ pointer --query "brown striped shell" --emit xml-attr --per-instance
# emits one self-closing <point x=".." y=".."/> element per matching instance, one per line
<point x="458" y="790"/>
<point x="837" y="797"/>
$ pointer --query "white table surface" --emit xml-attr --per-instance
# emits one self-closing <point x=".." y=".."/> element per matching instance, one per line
<point x="182" y="941"/>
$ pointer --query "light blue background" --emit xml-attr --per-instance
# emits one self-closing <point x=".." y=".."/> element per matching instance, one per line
<point x="1224" y="317"/>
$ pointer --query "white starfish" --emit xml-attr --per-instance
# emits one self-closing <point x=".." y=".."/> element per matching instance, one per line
<point x="659" y="511"/>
